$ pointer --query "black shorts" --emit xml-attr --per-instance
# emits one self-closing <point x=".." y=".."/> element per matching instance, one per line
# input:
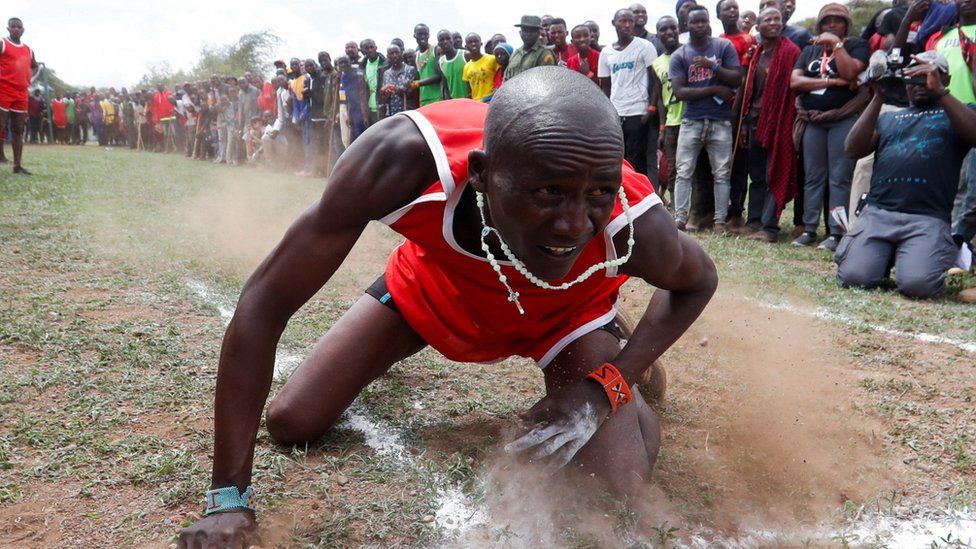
<point x="379" y="290"/>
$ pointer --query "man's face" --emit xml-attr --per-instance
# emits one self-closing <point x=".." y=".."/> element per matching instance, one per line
<point x="667" y="32"/>
<point x="343" y="65"/>
<point x="547" y="211"/>
<point x="835" y="25"/>
<point x="698" y="24"/>
<point x="683" y="11"/>
<point x="747" y="20"/>
<point x="770" y="24"/>
<point x="352" y="50"/>
<point x="295" y="65"/>
<point x="369" y="50"/>
<point x="920" y="95"/>
<point x="640" y="15"/>
<point x="502" y="57"/>
<point x="394" y="56"/>
<point x="243" y="83"/>
<point x="16" y="29"/>
<point x="729" y="14"/>
<point x="410" y="58"/>
<point x="557" y="34"/>
<point x="529" y="35"/>
<point x="160" y="88"/>
<point x="594" y="32"/>
<point x="787" y="8"/>
<point x="495" y="40"/>
<point x="457" y="40"/>
<point x="422" y="35"/>
<point x="581" y="39"/>
<point x="623" y="22"/>
<point x="445" y="41"/>
<point x="472" y="44"/>
<point x="966" y="8"/>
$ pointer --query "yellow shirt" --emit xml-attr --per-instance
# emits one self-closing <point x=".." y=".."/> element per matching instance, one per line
<point x="298" y="86"/>
<point x="480" y="75"/>
<point x="108" y="111"/>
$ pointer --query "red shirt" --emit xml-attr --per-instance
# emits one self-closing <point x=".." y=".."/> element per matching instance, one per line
<point x="593" y="58"/>
<point x="59" y="111"/>
<point x="161" y="106"/>
<point x="742" y="43"/>
<point x="15" y="69"/>
<point x="453" y="298"/>
<point x="266" y="101"/>
<point x="566" y="53"/>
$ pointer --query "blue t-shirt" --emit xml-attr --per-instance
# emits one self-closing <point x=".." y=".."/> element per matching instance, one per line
<point x="682" y="65"/>
<point x="917" y="163"/>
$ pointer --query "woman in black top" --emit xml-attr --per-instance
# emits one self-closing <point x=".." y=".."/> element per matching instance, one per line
<point x="826" y="80"/>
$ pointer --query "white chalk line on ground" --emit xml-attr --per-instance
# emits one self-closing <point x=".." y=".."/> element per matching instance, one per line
<point x="825" y="314"/>
<point x="957" y="527"/>
<point x="456" y="511"/>
<point x="285" y="363"/>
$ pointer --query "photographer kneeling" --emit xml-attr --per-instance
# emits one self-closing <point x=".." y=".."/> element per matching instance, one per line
<point x="918" y="155"/>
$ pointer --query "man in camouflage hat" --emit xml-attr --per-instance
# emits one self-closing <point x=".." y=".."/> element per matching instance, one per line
<point x="532" y="53"/>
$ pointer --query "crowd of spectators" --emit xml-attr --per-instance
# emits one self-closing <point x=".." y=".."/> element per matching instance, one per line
<point x="731" y="128"/>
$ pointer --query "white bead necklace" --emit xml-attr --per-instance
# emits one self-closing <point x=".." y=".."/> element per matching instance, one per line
<point x="513" y="296"/>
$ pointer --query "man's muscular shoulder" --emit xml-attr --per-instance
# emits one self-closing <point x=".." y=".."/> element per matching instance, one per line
<point x="383" y="170"/>
<point x="659" y="248"/>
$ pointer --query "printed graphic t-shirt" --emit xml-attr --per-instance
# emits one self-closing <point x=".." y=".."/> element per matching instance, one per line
<point x="682" y="65"/>
<point x="627" y="71"/>
<point x="916" y="167"/>
<point x="480" y="75"/>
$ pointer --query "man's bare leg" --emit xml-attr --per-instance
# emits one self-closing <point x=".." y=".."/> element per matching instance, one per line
<point x="623" y="450"/>
<point x="368" y="339"/>
<point x="17" y="139"/>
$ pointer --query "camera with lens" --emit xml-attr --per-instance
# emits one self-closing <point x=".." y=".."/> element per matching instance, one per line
<point x="886" y="68"/>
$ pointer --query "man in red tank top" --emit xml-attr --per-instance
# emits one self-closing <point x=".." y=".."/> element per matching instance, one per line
<point x="520" y="218"/>
<point x="16" y="66"/>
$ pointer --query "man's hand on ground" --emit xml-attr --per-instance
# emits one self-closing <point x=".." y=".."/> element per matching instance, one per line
<point x="232" y="529"/>
<point x="562" y="423"/>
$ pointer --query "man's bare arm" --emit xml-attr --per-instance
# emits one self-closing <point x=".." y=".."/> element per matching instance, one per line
<point x="383" y="170"/>
<point x="685" y="279"/>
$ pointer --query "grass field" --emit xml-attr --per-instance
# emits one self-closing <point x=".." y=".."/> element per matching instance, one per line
<point x="798" y="412"/>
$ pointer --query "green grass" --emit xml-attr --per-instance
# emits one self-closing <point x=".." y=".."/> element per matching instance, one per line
<point x="108" y="361"/>
<point x="781" y="272"/>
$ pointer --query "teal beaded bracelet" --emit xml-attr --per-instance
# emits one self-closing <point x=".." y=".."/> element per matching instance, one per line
<point x="227" y="499"/>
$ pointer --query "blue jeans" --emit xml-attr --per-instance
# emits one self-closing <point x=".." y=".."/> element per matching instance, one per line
<point x="715" y="136"/>
<point x="964" y="210"/>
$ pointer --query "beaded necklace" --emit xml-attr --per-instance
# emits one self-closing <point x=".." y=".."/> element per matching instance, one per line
<point x="513" y="296"/>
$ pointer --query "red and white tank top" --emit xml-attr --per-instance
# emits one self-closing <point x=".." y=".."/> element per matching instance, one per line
<point x="453" y="298"/>
<point x="15" y="67"/>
